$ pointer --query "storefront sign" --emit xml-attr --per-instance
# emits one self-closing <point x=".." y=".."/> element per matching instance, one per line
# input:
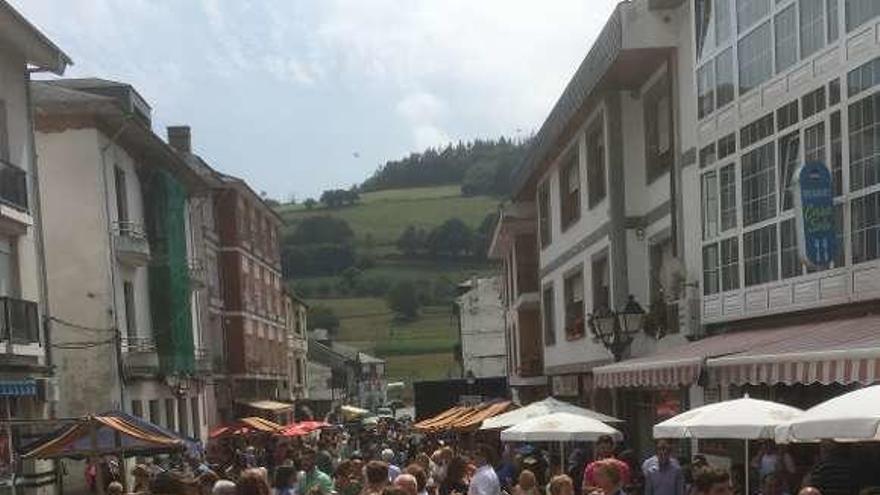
<point x="814" y="202"/>
<point x="565" y="386"/>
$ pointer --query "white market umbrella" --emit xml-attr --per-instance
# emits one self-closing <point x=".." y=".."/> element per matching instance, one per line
<point x="742" y="419"/>
<point x="543" y="408"/>
<point x="854" y="416"/>
<point x="558" y="427"/>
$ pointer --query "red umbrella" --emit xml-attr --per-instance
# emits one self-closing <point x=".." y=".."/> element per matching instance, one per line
<point x="294" y="430"/>
<point x="313" y="425"/>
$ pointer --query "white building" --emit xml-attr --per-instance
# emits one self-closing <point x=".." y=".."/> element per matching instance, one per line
<point x="119" y="257"/>
<point x="481" y="328"/>
<point x="27" y="389"/>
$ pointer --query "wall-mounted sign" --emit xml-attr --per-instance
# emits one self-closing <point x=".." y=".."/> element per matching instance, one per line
<point x="814" y="208"/>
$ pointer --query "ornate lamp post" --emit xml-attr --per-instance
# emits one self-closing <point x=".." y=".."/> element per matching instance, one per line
<point x="617" y="329"/>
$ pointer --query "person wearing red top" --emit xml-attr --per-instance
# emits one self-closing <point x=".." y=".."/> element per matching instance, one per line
<point x="604" y="450"/>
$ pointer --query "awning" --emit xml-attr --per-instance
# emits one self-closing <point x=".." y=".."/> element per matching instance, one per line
<point x="839" y="351"/>
<point x="842" y="351"/>
<point x="463" y="418"/>
<point x="18" y="388"/>
<point x="268" y="405"/>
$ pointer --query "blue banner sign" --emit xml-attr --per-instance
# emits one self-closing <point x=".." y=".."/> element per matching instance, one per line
<point x="814" y="201"/>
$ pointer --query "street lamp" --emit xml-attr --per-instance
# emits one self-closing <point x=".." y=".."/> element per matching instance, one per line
<point x="616" y="329"/>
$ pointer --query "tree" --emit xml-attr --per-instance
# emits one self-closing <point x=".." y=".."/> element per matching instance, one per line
<point x="310" y="203"/>
<point x="403" y="299"/>
<point x="322" y="229"/>
<point x="451" y="238"/>
<point x="351" y="276"/>
<point x="411" y="241"/>
<point x="483" y="236"/>
<point x="323" y="317"/>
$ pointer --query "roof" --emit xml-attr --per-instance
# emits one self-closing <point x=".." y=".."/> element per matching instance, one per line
<point x="227" y="180"/>
<point x="463" y="418"/>
<point x="60" y="104"/>
<point x="38" y="50"/>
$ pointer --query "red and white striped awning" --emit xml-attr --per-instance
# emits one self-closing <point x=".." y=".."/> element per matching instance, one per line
<point x="838" y="351"/>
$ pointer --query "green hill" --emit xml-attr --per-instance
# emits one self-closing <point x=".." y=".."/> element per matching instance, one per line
<point x="414" y="350"/>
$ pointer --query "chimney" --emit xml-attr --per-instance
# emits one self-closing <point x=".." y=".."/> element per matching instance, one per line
<point x="179" y="138"/>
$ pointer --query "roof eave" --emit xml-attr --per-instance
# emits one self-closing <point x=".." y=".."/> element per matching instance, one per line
<point x="39" y="51"/>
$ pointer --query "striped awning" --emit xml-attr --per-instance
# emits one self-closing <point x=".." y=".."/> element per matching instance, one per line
<point x="18" y="388"/>
<point x="838" y="351"/>
<point x="463" y="418"/>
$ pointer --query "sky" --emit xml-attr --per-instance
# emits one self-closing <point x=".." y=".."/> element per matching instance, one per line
<point x="299" y="96"/>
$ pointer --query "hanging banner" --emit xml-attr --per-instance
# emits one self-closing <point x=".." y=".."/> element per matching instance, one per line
<point x="814" y="210"/>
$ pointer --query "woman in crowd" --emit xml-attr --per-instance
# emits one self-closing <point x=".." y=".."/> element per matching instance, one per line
<point x="608" y="477"/>
<point x="561" y="485"/>
<point x="527" y="484"/>
<point x="253" y="482"/>
<point x="456" y="477"/>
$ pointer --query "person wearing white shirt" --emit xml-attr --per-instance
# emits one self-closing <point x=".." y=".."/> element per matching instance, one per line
<point x="485" y="481"/>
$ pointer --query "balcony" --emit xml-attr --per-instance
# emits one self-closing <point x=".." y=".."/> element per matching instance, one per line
<point x="131" y="244"/>
<point x="198" y="274"/>
<point x="19" y="321"/>
<point x="139" y="357"/>
<point x="13" y="186"/>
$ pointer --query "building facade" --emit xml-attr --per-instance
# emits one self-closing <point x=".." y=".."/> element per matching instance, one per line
<point x="28" y="388"/>
<point x="481" y="328"/>
<point x="253" y="302"/>
<point x="296" y="313"/>
<point x="118" y="256"/>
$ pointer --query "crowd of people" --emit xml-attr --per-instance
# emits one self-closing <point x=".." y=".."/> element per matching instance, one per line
<point x="394" y="461"/>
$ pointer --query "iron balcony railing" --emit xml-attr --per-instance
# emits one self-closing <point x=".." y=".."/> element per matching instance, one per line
<point x="13" y="186"/>
<point x="133" y="230"/>
<point x="19" y="320"/>
<point x="138" y="344"/>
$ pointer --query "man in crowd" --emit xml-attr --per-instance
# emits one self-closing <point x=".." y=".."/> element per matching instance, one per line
<point x="663" y="474"/>
<point x="313" y="476"/>
<point x="393" y="470"/>
<point x="712" y="481"/>
<point x="485" y="481"/>
<point x="376" y="473"/>
<point x="407" y="483"/>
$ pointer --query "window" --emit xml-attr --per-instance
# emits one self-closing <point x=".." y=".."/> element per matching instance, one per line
<point x="727" y="195"/>
<point x="786" y="38"/>
<point x="710" y="269"/>
<point x="722" y="21"/>
<point x="730" y="264"/>
<point x="169" y="415"/>
<point x="758" y="184"/>
<point x="196" y="417"/>
<point x="756" y="131"/>
<point x="298" y="371"/>
<point x="863" y="77"/>
<point x="836" y="154"/>
<point x="760" y="256"/>
<point x="4" y="132"/>
<point x="755" y="58"/>
<point x="574" y="305"/>
<point x="570" y="190"/>
<point x="8" y="268"/>
<point x="547" y="312"/>
<point x="840" y="254"/>
<point x="791" y="262"/>
<point x="121" y="196"/>
<point x="787" y="116"/>
<point x="154" y="412"/>
<point x="130" y="309"/>
<point x="812" y="19"/>
<point x="658" y="130"/>
<point x="707" y="155"/>
<point x="596" y="164"/>
<point x="727" y="146"/>
<point x="814" y="102"/>
<point x="705" y="90"/>
<point x="709" y="195"/>
<point x="702" y="20"/>
<point x="183" y="418"/>
<point x="834" y="92"/>
<point x="137" y="409"/>
<point x="864" y="146"/>
<point x="866" y="228"/>
<point x="859" y="12"/>
<point x="724" y="75"/>
<point x="789" y="160"/>
<point x="601" y="284"/>
<point x="749" y="12"/>
<point x="814" y="143"/>
<point x="544" y="225"/>
<point x="833" y="19"/>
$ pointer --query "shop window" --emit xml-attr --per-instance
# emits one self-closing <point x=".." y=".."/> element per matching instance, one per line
<point x="786" y="33"/>
<point x="570" y="190"/>
<point x="544" y="225"/>
<point x="596" y="164"/>
<point x="548" y="308"/>
<point x="864" y="147"/>
<point x="758" y="184"/>
<point x="730" y="264"/>
<point x="709" y="200"/>
<point x="760" y="253"/>
<point x="710" y="269"/>
<point x="755" y="51"/>
<point x="574" y="305"/>
<point x="866" y="228"/>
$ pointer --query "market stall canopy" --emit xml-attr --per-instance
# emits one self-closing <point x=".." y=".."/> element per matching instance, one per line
<point x="547" y="406"/>
<point x="271" y="406"/>
<point x="743" y="418"/>
<point x="245" y="426"/>
<point x="114" y="433"/>
<point x="463" y="418"/>
<point x="559" y="427"/>
<point x="854" y="416"/>
<point x="303" y="428"/>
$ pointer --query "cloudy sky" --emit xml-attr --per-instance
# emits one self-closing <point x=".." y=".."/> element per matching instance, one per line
<point x="297" y="96"/>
